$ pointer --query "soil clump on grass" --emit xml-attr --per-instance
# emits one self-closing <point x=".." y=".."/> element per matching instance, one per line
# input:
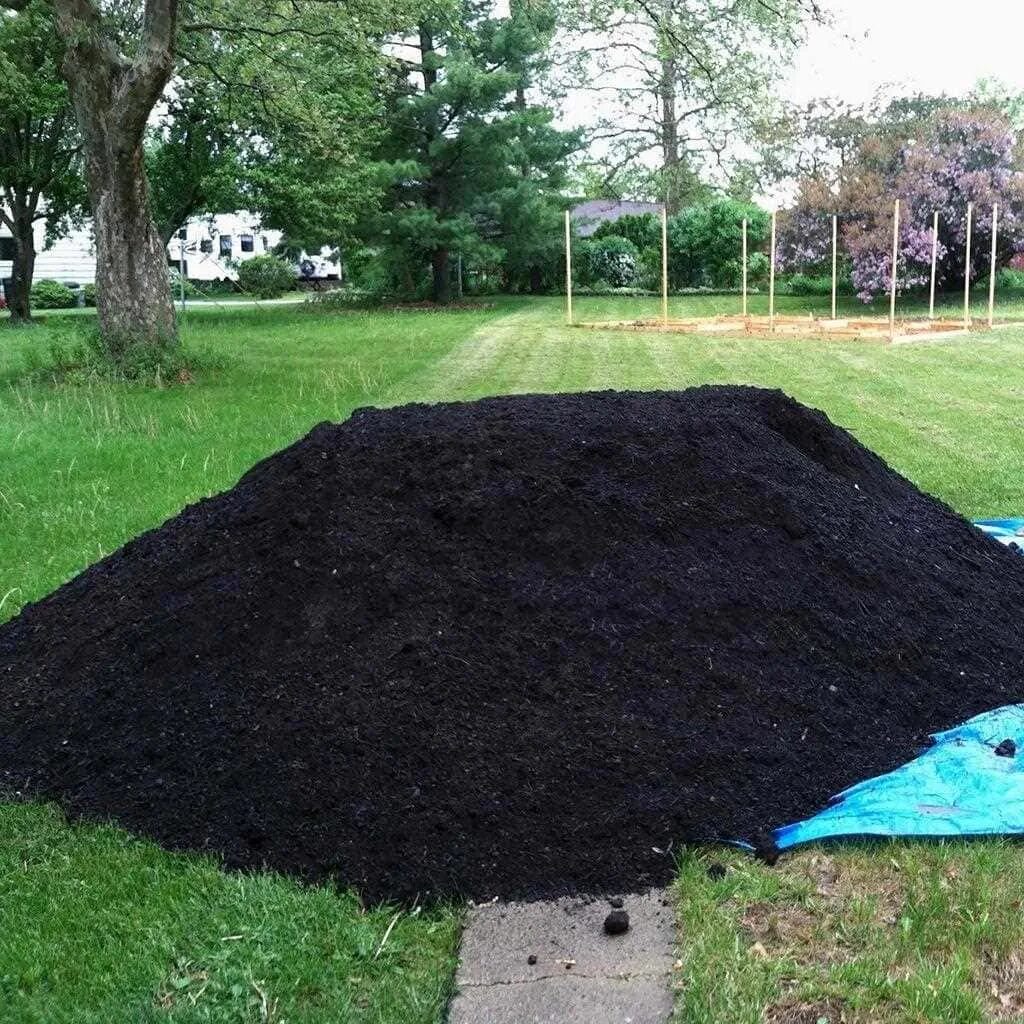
<point x="519" y="647"/>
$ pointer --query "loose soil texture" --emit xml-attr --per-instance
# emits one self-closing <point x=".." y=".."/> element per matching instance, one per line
<point x="522" y="646"/>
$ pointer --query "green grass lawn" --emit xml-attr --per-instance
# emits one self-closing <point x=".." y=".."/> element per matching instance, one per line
<point x="97" y="926"/>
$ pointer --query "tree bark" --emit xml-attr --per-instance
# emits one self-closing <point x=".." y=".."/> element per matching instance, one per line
<point x="669" y="131"/>
<point x="113" y="97"/>
<point x="133" y="295"/>
<point x="19" y="301"/>
<point x="435" y="185"/>
<point x="440" y="265"/>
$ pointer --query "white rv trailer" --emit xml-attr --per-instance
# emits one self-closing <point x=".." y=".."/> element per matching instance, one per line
<point x="214" y="246"/>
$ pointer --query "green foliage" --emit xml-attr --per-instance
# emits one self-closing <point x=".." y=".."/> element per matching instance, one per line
<point x="471" y="168"/>
<point x="174" y="276"/>
<point x="758" y="269"/>
<point x="268" y="277"/>
<point x="48" y="294"/>
<point x="341" y="300"/>
<point x="694" y="81"/>
<point x="193" y="153"/>
<point x="612" y="260"/>
<point x="643" y="230"/>
<point x="368" y="270"/>
<point x="705" y="243"/>
<point x="215" y="288"/>
<point x="76" y="354"/>
<point x="814" y="284"/>
<point x="1009" y="280"/>
<point x="278" y="111"/>
<point x="89" y="294"/>
<point x="40" y="167"/>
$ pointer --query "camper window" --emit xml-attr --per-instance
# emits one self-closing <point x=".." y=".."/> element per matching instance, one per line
<point x="206" y="245"/>
<point x="247" y="243"/>
<point x="6" y="249"/>
<point x="225" y="245"/>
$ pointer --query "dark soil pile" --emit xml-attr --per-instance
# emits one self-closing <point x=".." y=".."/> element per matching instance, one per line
<point x="515" y="647"/>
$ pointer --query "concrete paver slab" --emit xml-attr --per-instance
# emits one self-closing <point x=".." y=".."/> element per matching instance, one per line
<point x="580" y="974"/>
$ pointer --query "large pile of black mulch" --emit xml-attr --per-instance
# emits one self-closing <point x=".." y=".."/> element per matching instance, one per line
<point x="515" y="647"/>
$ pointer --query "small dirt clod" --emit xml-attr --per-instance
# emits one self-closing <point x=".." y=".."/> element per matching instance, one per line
<point x="1007" y="748"/>
<point x="616" y="923"/>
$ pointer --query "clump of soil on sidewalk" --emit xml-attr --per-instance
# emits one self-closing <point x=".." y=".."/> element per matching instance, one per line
<point x="522" y="646"/>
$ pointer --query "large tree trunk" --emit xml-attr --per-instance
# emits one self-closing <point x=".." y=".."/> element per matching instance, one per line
<point x="133" y="295"/>
<point x="19" y="299"/>
<point x="113" y="98"/>
<point x="440" y="265"/>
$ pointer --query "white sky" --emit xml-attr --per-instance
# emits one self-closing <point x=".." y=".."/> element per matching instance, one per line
<point x="931" y="46"/>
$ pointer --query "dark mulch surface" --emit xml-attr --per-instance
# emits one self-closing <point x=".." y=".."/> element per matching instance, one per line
<point x="514" y="647"/>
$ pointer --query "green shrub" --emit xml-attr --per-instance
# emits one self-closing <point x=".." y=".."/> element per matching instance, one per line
<point x="642" y="229"/>
<point x="814" y="285"/>
<point x="705" y="243"/>
<point x="214" y="288"/>
<point x="1009" y="280"/>
<point x="89" y="294"/>
<point x="613" y="261"/>
<point x="77" y="355"/>
<point x="174" y="276"/>
<point x="368" y="270"/>
<point x="47" y="294"/>
<point x="342" y="300"/>
<point x="267" y="277"/>
<point x="604" y="288"/>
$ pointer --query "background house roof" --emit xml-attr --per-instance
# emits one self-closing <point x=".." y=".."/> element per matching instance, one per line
<point x="589" y="216"/>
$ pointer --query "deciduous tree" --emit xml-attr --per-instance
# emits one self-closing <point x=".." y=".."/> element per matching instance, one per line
<point x="682" y="81"/>
<point x="954" y="158"/>
<point x="117" y="64"/>
<point x="39" y="153"/>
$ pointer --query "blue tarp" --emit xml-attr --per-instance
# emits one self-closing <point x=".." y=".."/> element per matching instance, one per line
<point x="1006" y="531"/>
<point x="958" y="787"/>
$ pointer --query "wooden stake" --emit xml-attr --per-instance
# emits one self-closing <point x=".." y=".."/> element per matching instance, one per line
<point x="967" y="269"/>
<point x="895" y="257"/>
<point x="771" y="280"/>
<point x="935" y="253"/>
<point x="744" y="266"/>
<point x="992" y="269"/>
<point x="835" y="260"/>
<point x="568" y="268"/>
<point x="664" y="264"/>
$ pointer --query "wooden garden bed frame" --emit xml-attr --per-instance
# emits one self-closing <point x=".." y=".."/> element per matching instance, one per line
<point x="885" y="329"/>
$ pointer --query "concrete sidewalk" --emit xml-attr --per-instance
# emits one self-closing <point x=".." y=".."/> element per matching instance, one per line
<point x="580" y="975"/>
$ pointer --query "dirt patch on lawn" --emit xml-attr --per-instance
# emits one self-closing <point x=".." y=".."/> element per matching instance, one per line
<point x="1003" y="987"/>
<point x="827" y="1011"/>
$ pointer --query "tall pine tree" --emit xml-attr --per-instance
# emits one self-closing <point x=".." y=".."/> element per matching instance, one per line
<point x="472" y="165"/>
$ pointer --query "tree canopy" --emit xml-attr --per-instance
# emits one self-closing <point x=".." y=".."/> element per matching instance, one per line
<point x="470" y="165"/>
<point x="954" y="157"/>
<point x="40" y="168"/>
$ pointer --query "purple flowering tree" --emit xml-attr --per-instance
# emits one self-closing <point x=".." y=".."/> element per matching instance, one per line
<point x="960" y="157"/>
